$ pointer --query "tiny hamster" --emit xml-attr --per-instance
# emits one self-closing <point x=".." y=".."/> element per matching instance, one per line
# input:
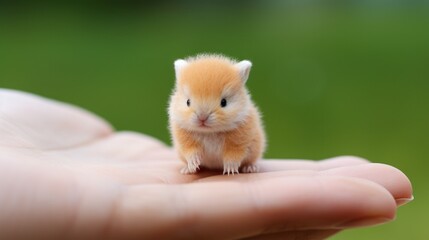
<point x="213" y="122"/>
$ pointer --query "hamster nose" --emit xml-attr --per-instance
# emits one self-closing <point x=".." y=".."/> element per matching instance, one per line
<point x="203" y="117"/>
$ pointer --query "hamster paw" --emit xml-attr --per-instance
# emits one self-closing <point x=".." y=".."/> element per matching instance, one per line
<point x="230" y="167"/>
<point x="252" y="168"/>
<point x="185" y="170"/>
<point x="192" y="166"/>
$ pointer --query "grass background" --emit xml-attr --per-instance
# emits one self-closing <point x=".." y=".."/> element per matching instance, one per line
<point x="330" y="78"/>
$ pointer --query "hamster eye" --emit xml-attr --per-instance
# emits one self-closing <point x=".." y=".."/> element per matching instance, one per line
<point x="188" y="102"/>
<point x="223" y="102"/>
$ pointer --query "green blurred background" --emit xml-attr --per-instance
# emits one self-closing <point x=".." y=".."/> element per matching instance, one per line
<point x="331" y="77"/>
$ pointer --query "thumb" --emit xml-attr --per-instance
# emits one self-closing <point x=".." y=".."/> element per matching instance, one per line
<point x="27" y="120"/>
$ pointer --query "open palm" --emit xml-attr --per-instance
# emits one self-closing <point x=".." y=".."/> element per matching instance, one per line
<point x="65" y="173"/>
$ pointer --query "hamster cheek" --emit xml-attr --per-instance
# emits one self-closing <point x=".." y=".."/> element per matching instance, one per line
<point x="225" y="119"/>
<point x="188" y="117"/>
<point x="221" y="118"/>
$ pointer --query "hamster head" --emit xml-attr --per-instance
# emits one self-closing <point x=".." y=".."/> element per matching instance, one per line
<point x="210" y="93"/>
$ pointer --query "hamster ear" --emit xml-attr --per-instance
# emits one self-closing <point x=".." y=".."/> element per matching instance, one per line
<point x="244" y="69"/>
<point x="179" y="64"/>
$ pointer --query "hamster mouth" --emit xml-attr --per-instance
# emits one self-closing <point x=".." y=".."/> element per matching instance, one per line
<point x="202" y="125"/>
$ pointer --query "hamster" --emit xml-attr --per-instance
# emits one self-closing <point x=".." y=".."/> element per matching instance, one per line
<point x="213" y="122"/>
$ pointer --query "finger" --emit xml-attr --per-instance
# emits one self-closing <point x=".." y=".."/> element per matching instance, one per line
<point x="127" y="146"/>
<point x="290" y="164"/>
<point x="306" y="234"/>
<point x="238" y="209"/>
<point x="272" y="165"/>
<point x="392" y="179"/>
<point x="46" y="124"/>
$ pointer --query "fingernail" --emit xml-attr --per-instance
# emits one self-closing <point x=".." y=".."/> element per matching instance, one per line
<point x="403" y="201"/>
<point x="365" y="222"/>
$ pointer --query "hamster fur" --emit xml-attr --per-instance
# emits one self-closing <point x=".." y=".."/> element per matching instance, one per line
<point x="212" y="119"/>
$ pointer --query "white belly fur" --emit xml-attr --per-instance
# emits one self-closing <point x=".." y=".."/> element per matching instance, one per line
<point x="212" y="156"/>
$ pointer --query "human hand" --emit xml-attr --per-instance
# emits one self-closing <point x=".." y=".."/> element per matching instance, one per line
<point x="65" y="173"/>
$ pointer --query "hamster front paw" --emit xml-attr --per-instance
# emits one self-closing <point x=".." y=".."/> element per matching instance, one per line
<point x="230" y="167"/>
<point x="193" y="164"/>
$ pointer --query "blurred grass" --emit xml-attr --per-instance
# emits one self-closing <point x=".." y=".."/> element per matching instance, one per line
<point x="330" y="81"/>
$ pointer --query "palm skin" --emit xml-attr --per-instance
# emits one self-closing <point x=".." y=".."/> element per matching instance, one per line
<point x="64" y="173"/>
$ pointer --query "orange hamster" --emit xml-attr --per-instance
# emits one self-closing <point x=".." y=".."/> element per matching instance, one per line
<point x="213" y="122"/>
